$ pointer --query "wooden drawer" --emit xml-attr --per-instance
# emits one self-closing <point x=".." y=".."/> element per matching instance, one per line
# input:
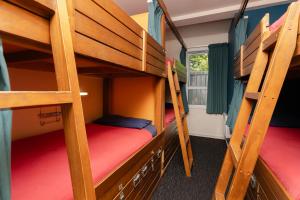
<point x="132" y="173"/>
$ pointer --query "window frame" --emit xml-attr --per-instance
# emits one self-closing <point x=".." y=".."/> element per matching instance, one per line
<point x="188" y="53"/>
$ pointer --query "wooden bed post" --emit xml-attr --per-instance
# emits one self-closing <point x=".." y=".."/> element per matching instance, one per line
<point x="74" y="125"/>
<point x="159" y="104"/>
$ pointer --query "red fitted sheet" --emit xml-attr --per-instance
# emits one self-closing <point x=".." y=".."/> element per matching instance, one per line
<point x="169" y="116"/>
<point x="40" y="167"/>
<point x="281" y="153"/>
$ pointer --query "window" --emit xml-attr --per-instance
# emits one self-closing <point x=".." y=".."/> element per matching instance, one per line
<point x="197" y="77"/>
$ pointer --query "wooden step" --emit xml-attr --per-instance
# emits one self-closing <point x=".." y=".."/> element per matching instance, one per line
<point x="17" y="99"/>
<point x="235" y="154"/>
<point x="218" y="196"/>
<point x="187" y="140"/>
<point x="182" y="115"/>
<point x="191" y="162"/>
<point x="252" y="95"/>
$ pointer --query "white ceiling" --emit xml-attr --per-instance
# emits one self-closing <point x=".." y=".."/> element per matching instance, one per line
<point x="187" y="12"/>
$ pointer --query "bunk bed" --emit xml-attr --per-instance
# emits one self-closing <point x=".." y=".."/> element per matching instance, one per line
<point x="107" y="43"/>
<point x="171" y="135"/>
<point x="276" y="175"/>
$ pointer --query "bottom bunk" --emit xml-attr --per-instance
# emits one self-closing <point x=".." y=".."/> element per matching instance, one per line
<point x="171" y="140"/>
<point x="276" y="175"/>
<point x="40" y="167"/>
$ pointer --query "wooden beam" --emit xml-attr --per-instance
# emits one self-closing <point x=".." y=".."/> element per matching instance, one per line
<point x="170" y="23"/>
<point x="27" y="55"/>
<point x="17" y="99"/>
<point x="237" y="17"/>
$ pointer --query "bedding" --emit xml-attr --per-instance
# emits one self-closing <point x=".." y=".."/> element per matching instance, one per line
<point x="169" y="114"/>
<point x="40" y="165"/>
<point x="280" y="152"/>
<point x="127" y="122"/>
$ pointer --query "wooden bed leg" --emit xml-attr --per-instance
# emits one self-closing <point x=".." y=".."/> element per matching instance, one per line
<point x="74" y="125"/>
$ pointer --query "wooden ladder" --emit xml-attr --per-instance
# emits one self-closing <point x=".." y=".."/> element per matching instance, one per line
<point x="68" y="97"/>
<point x="243" y="152"/>
<point x="181" y="121"/>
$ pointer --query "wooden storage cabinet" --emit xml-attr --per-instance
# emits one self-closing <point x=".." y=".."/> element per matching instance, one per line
<point x="171" y="143"/>
<point x="134" y="178"/>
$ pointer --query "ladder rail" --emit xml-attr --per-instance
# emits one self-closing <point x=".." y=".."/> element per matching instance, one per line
<point x="73" y="120"/>
<point x="186" y="149"/>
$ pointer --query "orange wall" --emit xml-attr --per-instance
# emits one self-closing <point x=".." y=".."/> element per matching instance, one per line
<point x="26" y="122"/>
<point x="134" y="97"/>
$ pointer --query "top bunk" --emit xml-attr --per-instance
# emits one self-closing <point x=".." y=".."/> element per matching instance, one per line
<point x="180" y="69"/>
<point x="107" y="42"/>
<point x="263" y="39"/>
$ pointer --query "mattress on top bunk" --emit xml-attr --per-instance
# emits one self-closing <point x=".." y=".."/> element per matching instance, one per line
<point x="40" y="167"/>
<point x="169" y="115"/>
<point x="281" y="153"/>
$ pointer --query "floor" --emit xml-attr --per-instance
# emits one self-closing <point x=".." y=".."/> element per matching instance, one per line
<point x="208" y="156"/>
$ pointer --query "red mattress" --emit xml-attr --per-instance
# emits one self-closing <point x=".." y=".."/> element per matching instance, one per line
<point x="169" y="116"/>
<point x="281" y="153"/>
<point x="40" y="167"/>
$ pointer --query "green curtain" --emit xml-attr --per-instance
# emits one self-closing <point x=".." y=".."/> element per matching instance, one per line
<point x="183" y="85"/>
<point x="238" y="36"/>
<point x="154" y="20"/>
<point x="217" y="78"/>
<point x="235" y="104"/>
<point x="5" y="134"/>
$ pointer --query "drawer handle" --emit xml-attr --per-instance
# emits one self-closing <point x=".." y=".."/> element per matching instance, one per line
<point x="253" y="182"/>
<point x="158" y="153"/>
<point x="136" y="180"/>
<point x="144" y="170"/>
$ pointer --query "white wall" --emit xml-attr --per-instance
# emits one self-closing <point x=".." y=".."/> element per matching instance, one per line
<point x="200" y="123"/>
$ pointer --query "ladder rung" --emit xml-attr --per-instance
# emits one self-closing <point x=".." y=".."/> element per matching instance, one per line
<point x="235" y="154"/>
<point x="15" y="99"/>
<point x="182" y="116"/>
<point x="219" y="196"/>
<point x="252" y="95"/>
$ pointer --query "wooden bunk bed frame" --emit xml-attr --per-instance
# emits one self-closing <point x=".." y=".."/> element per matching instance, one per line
<point x="269" y="58"/>
<point x="90" y="37"/>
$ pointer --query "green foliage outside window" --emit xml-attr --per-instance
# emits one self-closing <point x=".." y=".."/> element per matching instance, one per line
<point x="199" y="62"/>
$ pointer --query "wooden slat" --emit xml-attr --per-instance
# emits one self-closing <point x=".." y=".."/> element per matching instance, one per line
<point x="254" y="34"/>
<point x="111" y="7"/>
<point x="17" y="99"/>
<point x="155" y="44"/>
<point x="252" y="47"/>
<point x="153" y="61"/>
<point x="16" y="21"/>
<point x="44" y="8"/>
<point x="250" y="59"/>
<point x="252" y="95"/>
<point x="155" y="71"/>
<point x="145" y="51"/>
<point x="90" y="28"/>
<point x="247" y="69"/>
<point x="101" y="16"/>
<point x="152" y="51"/>
<point x="88" y="47"/>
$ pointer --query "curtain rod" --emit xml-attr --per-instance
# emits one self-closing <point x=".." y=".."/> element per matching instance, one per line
<point x="170" y="23"/>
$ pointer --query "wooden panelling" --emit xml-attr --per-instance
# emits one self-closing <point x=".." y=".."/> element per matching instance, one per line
<point x="252" y="47"/>
<point x="153" y="61"/>
<point x="155" y="71"/>
<point x="90" y="28"/>
<point x="111" y="7"/>
<point x="155" y="45"/>
<point x="101" y="16"/>
<point x="16" y="21"/>
<point x="250" y="59"/>
<point x="152" y="51"/>
<point x="88" y="47"/>
<point x="109" y="187"/>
